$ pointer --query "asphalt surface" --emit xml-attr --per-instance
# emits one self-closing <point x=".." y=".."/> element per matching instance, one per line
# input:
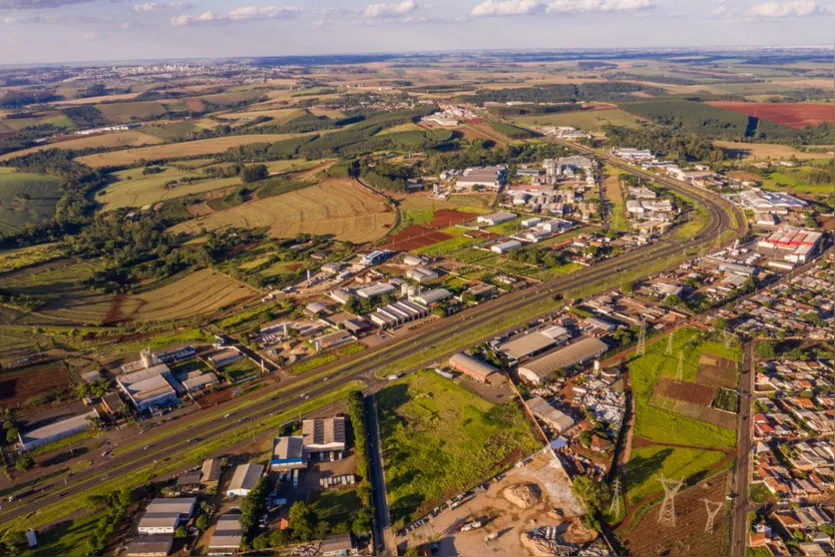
<point x="382" y="523"/>
<point x="364" y="364"/>
<point x="744" y="449"/>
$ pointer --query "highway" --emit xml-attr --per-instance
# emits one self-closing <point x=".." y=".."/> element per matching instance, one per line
<point x="364" y="365"/>
<point x="742" y="472"/>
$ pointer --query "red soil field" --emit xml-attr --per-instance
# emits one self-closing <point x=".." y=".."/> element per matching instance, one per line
<point x="19" y="385"/>
<point x="414" y="237"/>
<point x="688" y="392"/>
<point x="793" y="115"/>
<point x="447" y="217"/>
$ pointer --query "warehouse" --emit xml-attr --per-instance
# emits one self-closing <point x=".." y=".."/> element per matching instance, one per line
<point x="579" y="352"/>
<point x="341" y="295"/>
<point x="210" y="472"/>
<point x="150" y="546"/>
<point x="198" y="381"/>
<point x="433" y="296"/>
<point x="414" y="260"/>
<point x="227" y="536"/>
<point x="533" y="343"/>
<point x="496" y="218"/>
<point x="324" y="436"/>
<point x="225" y="358"/>
<point x="395" y="314"/>
<point x="421" y="274"/>
<point x="150" y="387"/>
<point x="244" y="479"/>
<point x="505" y="247"/>
<point x="375" y="290"/>
<point x="163" y="515"/>
<point x="488" y="176"/>
<point x="288" y="454"/>
<point x="475" y="368"/>
<point x="41" y="436"/>
<point x="553" y="418"/>
<point x="334" y="339"/>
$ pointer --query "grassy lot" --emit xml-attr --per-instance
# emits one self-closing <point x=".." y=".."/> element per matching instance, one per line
<point x="663" y="425"/>
<point x="754" y="151"/>
<point x="591" y="121"/>
<point x="26" y="199"/>
<point x="325" y="358"/>
<point x="647" y="464"/>
<point x="336" y="206"/>
<point x="440" y="439"/>
<point x="132" y="188"/>
<point x="617" y="220"/>
<point x="337" y="508"/>
<point x="130" y="475"/>
<point x="446" y="247"/>
<point x="795" y="181"/>
<point x="698" y="220"/>
<point x="66" y="538"/>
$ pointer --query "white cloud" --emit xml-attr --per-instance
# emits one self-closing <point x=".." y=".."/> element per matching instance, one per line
<point x="377" y="11"/>
<point x="245" y="13"/>
<point x="508" y="7"/>
<point x="152" y="6"/>
<point x="788" y="8"/>
<point x="528" y="7"/>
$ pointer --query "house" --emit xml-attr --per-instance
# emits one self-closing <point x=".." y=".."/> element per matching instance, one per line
<point x="227" y="535"/>
<point x="473" y="367"/>
<point x="34" y="438"/>
<point x="340" y="544"/>
<point x="542" y="368"/>
<point x="210" y="472"/>
<point x="244" y="479"/>
<point x="324" y="436"/>
<point x="164" y="515"/>
<point x="150" y="546"/>
<point x="496" y="218"/>
<point x="288" y="454"/>
<point x="505" y="247"/>
<point x="225" y="357"/>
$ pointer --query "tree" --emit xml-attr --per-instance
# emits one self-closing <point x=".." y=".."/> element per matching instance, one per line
<point x="363" y="521"/>
<point x="593" y="494"/>
<point x="202" y="523"/>
<point x="25" y="462"/>
<point x="765" y="350"/>
<point x="180" y="532"/>
<point x="323" y="529"/>
<point x="720" y="324"/>
<point x="254" y="173"/>
<point x="303" y="521"/>
<point x="279" y="538"/>
<point x="261" y="542"/>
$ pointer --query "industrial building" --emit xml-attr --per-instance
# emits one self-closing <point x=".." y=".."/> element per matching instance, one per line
<point x="797" y="244"/>
<point x="395" y="314"/>
<point x="227" y="535"/>
<point x="496" y="218"/>
<point x="244" y="479"/>
<point x="149" y="384"/>
<point x="552" y="417"/>
<point x="505" y="247"/>
<point x="197" y="381"/>
<point x="288" y="454"/>
<point x="376" y="290"/>
<point x="323" y="436"/>
<point x="488" y="176"/>
<point x="534" y="343"/>
<point x="149" y="546"/>
<point x="32" y="439"/>
<point x="210" y="472"/>
<point x="433" y="296"/>
<point x="376" y="257"/>
<point x="414" y="260"/>
<point x="163" y="515"/>
<point x="421" y="274"/>
<point x="225" y="358"/>
<point x="542" y="368"/>
<point x="473" y="367"/>
<point x="633" y="154"/>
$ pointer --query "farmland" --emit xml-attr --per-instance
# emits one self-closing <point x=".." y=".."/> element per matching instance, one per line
<point x="133" y="189"/>
<point x="338" y="207"/>
<point x="126" y="112"/>
<point x="647" y="463"/>
<point x="793" y="115"/>
<point x="439" y="439"/>
<point x="23" y="386"/>
<point x="26" y="199"/>
<point x="591" y="121"/>
<point x="753" y="151"/>
<point x="129" y="138"/>
<point x="197" y="148"/>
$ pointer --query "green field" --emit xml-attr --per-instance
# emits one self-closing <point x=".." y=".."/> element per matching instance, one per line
<point x="646" y="464"/>
<point x="26" y="199"/>
<point x="440" y="439"/>
<point x="797" y="180"/>
<point x="133" y="189"/>
<point x="664" y="426"/>
<point x="591" y="121"/>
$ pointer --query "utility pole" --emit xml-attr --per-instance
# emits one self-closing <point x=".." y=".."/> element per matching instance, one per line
<point x="615" y="507"/>
<point x="642" y="339"/>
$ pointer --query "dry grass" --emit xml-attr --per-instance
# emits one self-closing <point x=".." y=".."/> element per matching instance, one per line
<point x="278" y="116"/>
<point x="133" y="189"/>
<point x="752" y="151"/>
<point x="129" y="138"/>
<point x="337" y="207"/>
<point x="177" y="150"/>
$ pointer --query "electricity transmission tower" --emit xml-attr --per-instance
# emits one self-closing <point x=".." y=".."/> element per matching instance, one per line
<point x="713" y="508"/>
<point x="667" y="513"/>
<point x="615" y="508"/>
<point x="669" y="351"/>
<point x="680" y="370"/>
<point x="642" y="339"/>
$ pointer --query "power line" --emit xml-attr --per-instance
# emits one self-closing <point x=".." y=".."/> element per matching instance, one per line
<point x="667" y="513"/>
<point x="713" y="508"/>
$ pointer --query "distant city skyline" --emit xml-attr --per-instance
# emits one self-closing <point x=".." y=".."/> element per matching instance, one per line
<point x="43" y="31"/>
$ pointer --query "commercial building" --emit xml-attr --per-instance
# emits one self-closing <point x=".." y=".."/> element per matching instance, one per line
<point x="376" y="290"/>
<point x="487" y="176"/>
<point x="151" y="387"/>
<point x="473" y="367"/>
<point x="376" y="257"/>
<point x="433" y="296"/>
<point x="210" y="472"/>
<point x="244" y="479"/>
<point x="542" y="368"/>
<point x="797" y="244"/>
<point x="421" y="274"/>
<point x="44" y="435"/>
<point x="225" y="358"/>
<point x="227" y="535"/>
<point x="395" y="314"/>
<point x="163" y="515"/>
<point x="325" y="435"/>
<point x="158" y="545"/>
<point x="505" y="247"/>
<point x="198" y="381"/>
<point x="288" y="454"/>
<point x="633" y="154"/>
<point x="553" y="417"/>
<point x="534" y="343"/>
<point x="496" y="218"/>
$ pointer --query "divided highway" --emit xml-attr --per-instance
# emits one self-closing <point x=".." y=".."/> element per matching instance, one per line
<point x="293" y="392"/>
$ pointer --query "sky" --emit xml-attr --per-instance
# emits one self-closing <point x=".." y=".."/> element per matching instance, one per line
<point x="43" y="31"/>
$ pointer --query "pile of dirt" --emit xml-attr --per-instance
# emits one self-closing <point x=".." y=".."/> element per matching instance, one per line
<point x="578" y="534"/>
<point x="538" y="546"/>
<point x="523" y="496"/>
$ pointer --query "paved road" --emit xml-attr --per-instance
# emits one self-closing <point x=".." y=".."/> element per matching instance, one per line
<point x="744" y="450"/>
<point x="363" y="365"/>
<point x="383" y="537"/>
